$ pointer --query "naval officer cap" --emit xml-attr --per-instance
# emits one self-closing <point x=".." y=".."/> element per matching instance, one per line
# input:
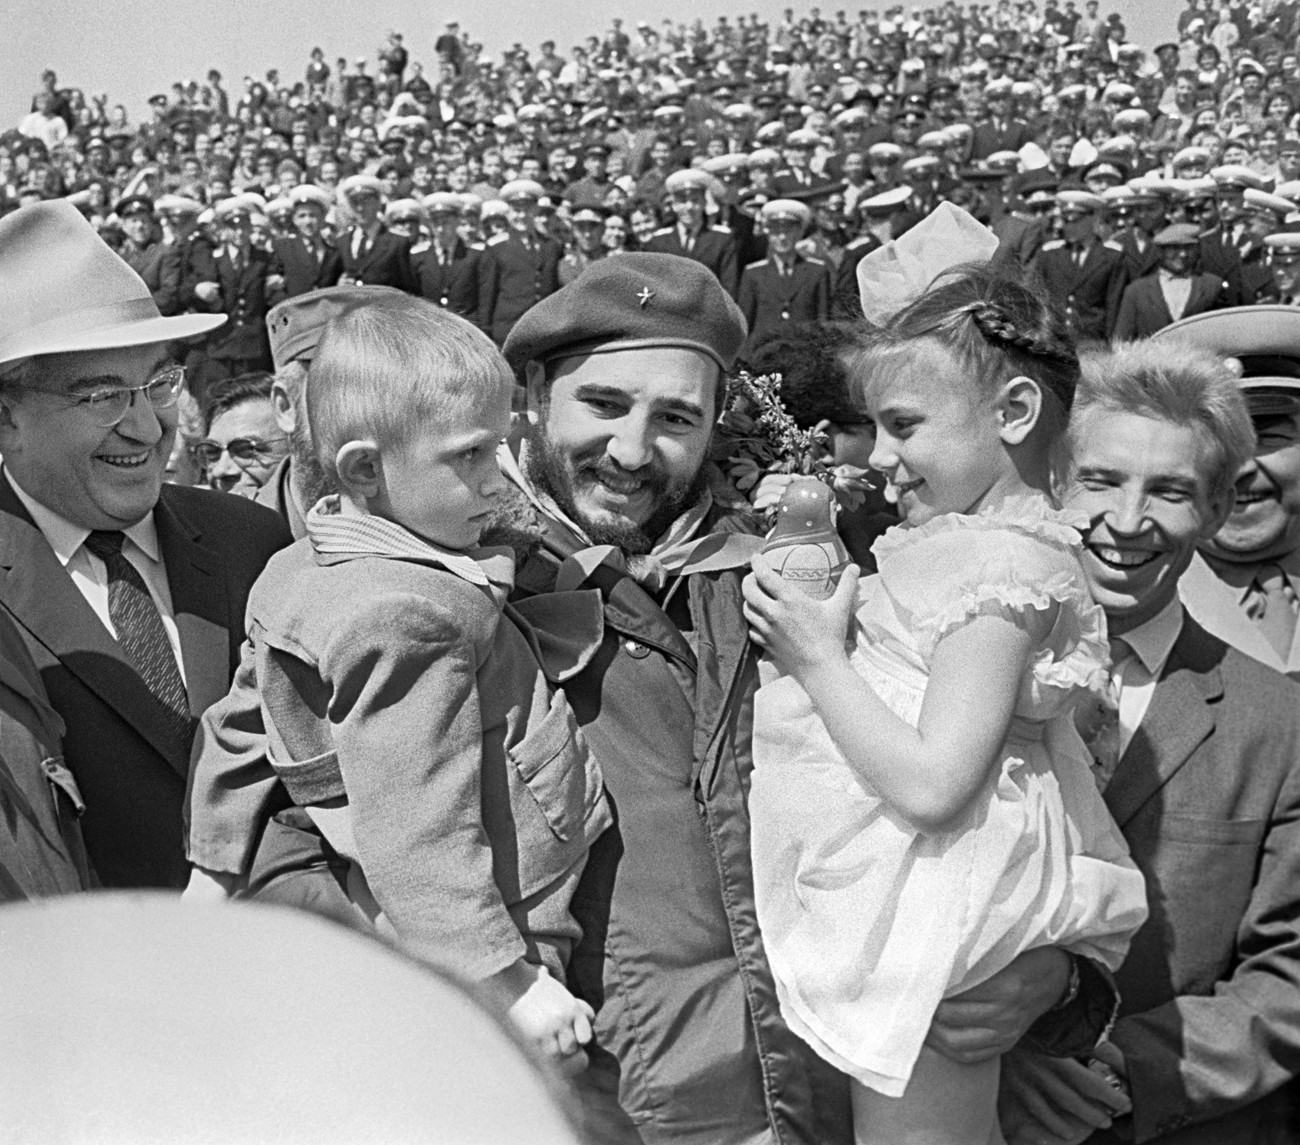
<point x="631" y="302"/>
<point x="1263" y="343"/>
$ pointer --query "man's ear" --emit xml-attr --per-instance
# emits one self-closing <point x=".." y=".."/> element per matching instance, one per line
<point x="1019" y="406"/>
<point x="286" y="414"/>
<point x="360" y="467"/>
<point x="535" y="389"/>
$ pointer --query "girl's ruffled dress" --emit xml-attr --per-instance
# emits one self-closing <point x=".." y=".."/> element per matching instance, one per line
<point x="869" y="924"/>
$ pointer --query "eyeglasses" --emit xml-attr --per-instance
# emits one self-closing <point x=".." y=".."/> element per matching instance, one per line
<point x="242" y="450"/>
<point x="108" y="405"/>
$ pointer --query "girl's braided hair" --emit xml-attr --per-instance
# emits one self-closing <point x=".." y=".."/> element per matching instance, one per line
<point x="999" y="323"/>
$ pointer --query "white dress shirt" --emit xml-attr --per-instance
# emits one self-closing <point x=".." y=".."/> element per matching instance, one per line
<point x="89" y="573"/>
<point x="1134" y="675"/>
<point x="1177" y="290"/>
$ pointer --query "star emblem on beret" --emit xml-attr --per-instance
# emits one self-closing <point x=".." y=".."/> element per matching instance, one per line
<point x="644" y="296"/>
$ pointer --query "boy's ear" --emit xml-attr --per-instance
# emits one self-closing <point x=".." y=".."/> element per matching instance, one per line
<point x="360" y="467"/>
<point x="535" y="390"/>
<point x="1019" y="406"/>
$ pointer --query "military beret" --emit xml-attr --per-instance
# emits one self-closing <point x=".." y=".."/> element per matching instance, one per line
<point x="1178" y="234"/>
<point x="443" y="203"/>
<point x="789" y="210"/>
<point x="1264" y="339"/>
<point x="308" y="194"/>
<point x="133" y="205"/>
<point x="522" y="189"/>
<point x="360" y="185"/>
<point x="634" y="301"/>
<point x="297" y="325"/>
<point x="687" y="180"/>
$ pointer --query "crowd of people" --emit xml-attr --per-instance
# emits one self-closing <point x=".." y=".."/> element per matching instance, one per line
<point x="381" y="535"/>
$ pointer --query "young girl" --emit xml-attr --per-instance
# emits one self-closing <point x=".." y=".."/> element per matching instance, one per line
<point x="923" y="810"/>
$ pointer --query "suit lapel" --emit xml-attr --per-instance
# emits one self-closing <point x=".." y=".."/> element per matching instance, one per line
<point x="41" y="594"/>
<point x="1179" y="719"/>
<point x="1203" y="293"/>
<point x="196" y="576"/>
<point x="1158" y="303"/>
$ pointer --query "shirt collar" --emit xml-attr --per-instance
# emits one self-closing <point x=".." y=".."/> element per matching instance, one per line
<point x="65" y="538"/>
<point x="1153" y="640"/>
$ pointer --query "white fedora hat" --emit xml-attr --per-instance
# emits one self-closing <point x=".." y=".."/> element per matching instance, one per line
<point x="63" y="290"/>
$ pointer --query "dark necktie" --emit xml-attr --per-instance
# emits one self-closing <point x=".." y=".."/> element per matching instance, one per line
<point x="141" y="633"/>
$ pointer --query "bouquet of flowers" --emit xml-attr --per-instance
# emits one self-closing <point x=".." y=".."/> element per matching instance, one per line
<point x="756" y="435"/>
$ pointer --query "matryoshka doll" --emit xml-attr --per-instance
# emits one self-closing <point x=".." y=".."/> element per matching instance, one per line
<point x="803" y="546"/>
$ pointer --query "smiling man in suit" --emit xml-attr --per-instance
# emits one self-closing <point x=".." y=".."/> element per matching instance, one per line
<point x="129" y="594"/>
<point x="1178" y="288"/>
<point x="371" y="255"/>
<point x="306" y="259"/>
<point x="1198" y="754"/>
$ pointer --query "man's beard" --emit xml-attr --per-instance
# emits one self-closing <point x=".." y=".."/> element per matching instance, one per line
<point x="555" y="474"/>
<point x="308" y="475"/>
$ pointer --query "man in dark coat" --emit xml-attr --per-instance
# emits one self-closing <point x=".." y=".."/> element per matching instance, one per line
<point x="128" y="593"/>
<point x="519" y="268"/>
<point x="369" y="253"/>
<point x="306" y="260"/>
<point x="785" y="287"/>
<point x="158" y="264"/>
<point x="1177" y="289"/>
<point x="714" y="247"/>
<point x="1084" y="276"/>
<point x="446" y="268"/>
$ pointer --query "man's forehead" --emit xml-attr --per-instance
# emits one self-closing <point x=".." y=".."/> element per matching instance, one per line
<point x="1138" y="444"/>
<point x="122" y="362"/>
<point x="644" y="372"/>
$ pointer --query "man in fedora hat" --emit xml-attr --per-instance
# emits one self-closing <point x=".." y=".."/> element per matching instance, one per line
<point x="129" y="594"/>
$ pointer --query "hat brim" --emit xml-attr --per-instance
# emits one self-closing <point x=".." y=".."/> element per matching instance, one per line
<point x="140" y="333"/>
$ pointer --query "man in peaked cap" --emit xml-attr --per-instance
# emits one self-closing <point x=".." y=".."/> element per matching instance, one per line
<point x="623" y="370"/>
<point x="1084" y="275"/>
<point x="785" y="287"/>
<point x="446" y="267"/>
<point x="306" y="260"/>
<point x="518" y="267"/>
<point x="1245" y="587"/>
<point x="369" y="253"/>
<point x="1177" y="289"/>
<point x="129" y="593"/>
<point x="713" y="247"/>
<point x="144" y="252"/>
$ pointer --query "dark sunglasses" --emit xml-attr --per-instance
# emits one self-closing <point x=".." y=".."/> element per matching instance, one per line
<point x="208" y="452"/>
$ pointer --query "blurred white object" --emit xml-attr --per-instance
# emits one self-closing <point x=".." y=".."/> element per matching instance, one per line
<point x="127" y="1017"/>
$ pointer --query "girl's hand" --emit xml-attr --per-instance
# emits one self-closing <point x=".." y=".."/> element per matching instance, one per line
<point x="798" y="631"/>
<point x="851" y="485"/>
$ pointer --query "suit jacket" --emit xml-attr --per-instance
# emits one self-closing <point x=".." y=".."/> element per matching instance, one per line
<point x="197" y="265"/>
<point x="384" y="262"/>
<point x="514" y="277"/>
<point x="1137" y="263"/>
<point x="160" y="267"/>
<point x="846" y="302"/>
<point x="129" y="765"/>
<point x="243" y="298"/>
<point x="1089" y="294"/>
<point x="1143" y="309"/>
<point x="454" y="285"/>
<point x="1215" y="606"/>
<point x="988" y="138"/>
<point x="301" y="269"/>
<point x="1019" y="239"/>
<point x="1208" y="797"/>
<point x="771" y="302"/>
<point x="715" y="247"/>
